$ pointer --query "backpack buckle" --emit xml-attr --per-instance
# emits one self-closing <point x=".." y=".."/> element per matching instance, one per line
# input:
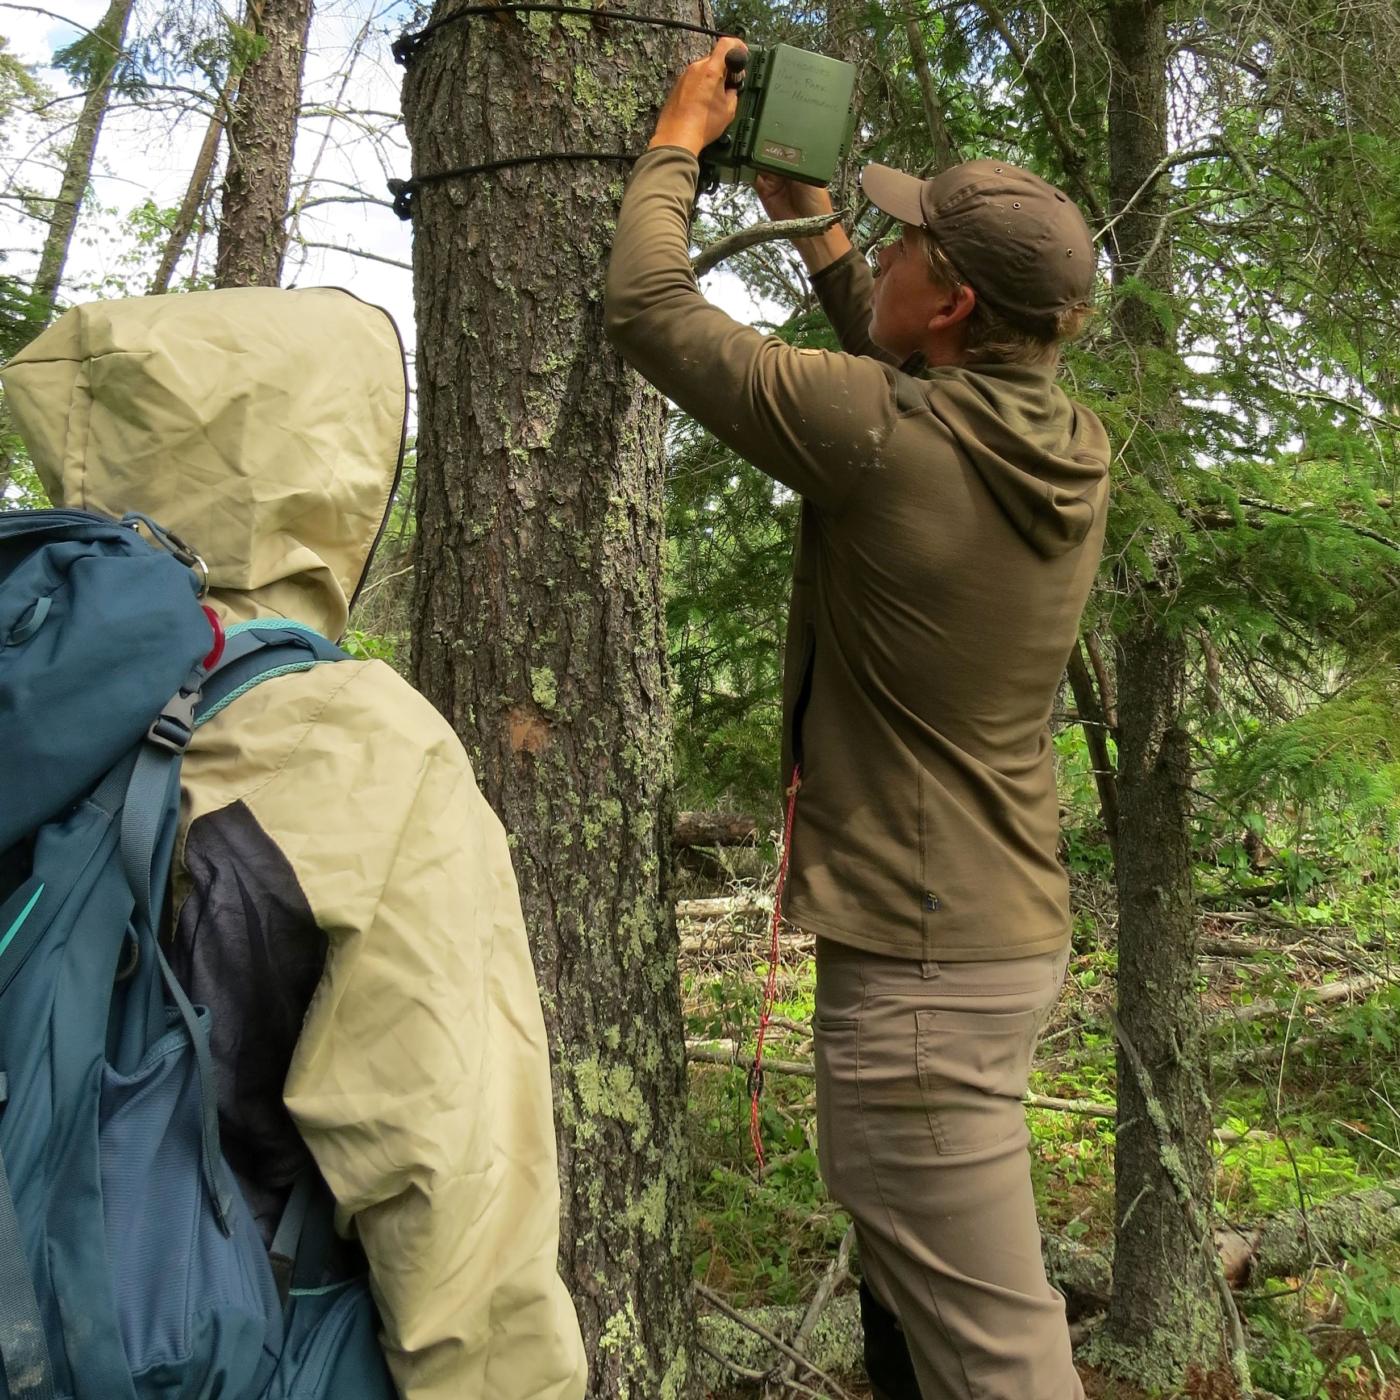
<point x="173" y="727"/>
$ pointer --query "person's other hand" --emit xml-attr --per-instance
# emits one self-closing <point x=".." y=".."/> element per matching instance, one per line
<point x="700" y="107"/>
<point x="784" y="198"/>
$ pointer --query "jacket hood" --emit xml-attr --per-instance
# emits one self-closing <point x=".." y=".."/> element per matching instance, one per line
<point x="1043" y="457"/>
<point x="263" y="426"/>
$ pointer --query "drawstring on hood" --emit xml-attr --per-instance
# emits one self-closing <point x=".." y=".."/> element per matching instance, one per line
<point x="262" y="425"/>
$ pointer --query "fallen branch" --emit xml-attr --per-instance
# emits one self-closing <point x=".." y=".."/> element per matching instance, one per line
<point x="836" y="1272"/>
<point x="713" y="1052"/>
<point x="734" y="1315"/>
<point x="1289" y="1243"/>
<point x="1263" y="1054"/>
<point x="835" y="1345"/>
<point x="726" y="1053"/>
<point x="723" y="908"/>
<point x="712" y="829"/>
<point x="1248" y="947"/>
<point x="1320" y="996"/>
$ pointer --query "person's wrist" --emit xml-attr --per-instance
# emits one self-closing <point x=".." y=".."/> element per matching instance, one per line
<point x="672" y="133"/>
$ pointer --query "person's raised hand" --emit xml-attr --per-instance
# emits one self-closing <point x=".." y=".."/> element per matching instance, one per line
<point x="784" y="198"/>
<point x="700" y="106"/>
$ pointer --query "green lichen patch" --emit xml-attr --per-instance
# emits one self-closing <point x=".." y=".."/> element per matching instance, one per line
<point x="544" y="688"/>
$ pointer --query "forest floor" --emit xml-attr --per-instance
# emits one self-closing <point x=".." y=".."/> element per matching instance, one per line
<point x="1305" y="1048"/>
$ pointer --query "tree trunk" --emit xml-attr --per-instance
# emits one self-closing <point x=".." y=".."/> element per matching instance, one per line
<point x="1164" y="1315"/>
<point x="195" y="191"/>
<point x="944" y="153"/>
<point x="77" y="168"/>
<point x="539" y="622"/>
<point x="261" y="136"/>
<point x="1093" y="715"/>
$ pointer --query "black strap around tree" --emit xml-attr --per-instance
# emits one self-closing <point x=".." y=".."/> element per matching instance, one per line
<point x="403" y="191"/>
<point x="406" y="47"/>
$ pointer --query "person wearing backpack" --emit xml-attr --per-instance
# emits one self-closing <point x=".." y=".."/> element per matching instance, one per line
<point x="342" y="900"/>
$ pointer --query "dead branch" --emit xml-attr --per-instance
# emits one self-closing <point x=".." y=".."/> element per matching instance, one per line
<point x="710" y="257"/>
<point x="723" y="907"/>
<point x="835" y="1274"/>
<point x="713" y="829"/>
<point x="1323" y="996"/>
<point x="734" y="1315"/>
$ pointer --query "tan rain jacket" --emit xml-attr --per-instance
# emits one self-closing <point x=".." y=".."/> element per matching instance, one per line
<point x="344" y="899"/>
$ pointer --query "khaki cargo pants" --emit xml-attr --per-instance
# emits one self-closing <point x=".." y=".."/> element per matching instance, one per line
<point x="923" y="1139"/>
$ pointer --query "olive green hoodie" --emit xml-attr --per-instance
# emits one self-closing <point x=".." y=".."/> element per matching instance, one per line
<point x="344" y="899"/>
<point x="950" y="532"/>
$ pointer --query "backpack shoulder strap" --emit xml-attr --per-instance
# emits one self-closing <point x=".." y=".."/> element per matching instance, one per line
<point x="255" y="652"/>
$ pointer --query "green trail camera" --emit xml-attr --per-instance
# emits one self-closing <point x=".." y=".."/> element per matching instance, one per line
<point x="794" y="117"/>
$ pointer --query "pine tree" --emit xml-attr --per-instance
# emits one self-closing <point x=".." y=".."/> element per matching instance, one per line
<point x="538" y="615"/>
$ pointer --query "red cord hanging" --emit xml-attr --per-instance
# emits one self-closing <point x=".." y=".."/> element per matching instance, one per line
<point x="770" y="986"/>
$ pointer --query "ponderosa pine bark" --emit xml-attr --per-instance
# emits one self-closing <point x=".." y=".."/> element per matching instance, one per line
<point x="538" y="615"/>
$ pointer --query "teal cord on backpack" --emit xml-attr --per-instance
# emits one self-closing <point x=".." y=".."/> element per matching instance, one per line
<point x="130" y="1265"/>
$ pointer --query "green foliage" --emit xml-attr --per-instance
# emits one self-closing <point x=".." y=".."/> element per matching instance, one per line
<point x="96" y="56"/>
<point x="1346" y="747"/>
<point x="1355" y="1352"/>
<point x="136" y="241"/>
<point x="367" y="646"/>
<point x="18" y="85"/>
<point x="729" y="532"/>
<point x="757" y="1238"/>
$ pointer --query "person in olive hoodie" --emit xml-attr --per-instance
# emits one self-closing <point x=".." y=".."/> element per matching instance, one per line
<point x="953" y="508"/>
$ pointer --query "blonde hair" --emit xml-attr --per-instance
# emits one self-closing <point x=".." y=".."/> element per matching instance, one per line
<point x="993" y="336"/>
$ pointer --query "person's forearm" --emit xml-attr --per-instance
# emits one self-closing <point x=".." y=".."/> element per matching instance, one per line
<point x="823" y="249"/>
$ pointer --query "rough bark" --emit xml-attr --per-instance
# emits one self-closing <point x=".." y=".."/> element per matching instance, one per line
<point x="77" y="166"/>
<point x="539" y="621"/>
<point x="261" y="137"/>
<point x="1164" y="1314"/>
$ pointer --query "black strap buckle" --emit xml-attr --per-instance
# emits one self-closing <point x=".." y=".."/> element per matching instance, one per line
<point x="173" y="727"/>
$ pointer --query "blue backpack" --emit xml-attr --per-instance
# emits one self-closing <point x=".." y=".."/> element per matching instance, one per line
<point x="130" y="1264"/>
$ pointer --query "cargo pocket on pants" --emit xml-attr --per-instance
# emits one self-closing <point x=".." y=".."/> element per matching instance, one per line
<point x="973" y="1070"/>
<point x="835" y="1046"/>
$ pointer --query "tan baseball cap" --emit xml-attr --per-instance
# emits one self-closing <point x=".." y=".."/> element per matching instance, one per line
<point x="1021" y="244"/>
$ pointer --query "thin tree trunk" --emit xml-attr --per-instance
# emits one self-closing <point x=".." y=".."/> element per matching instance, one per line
<point x="261" y="137"/>
<point x="1094" y="716"/>
<point x="1213" y="699"/>
<point x="195" y="191"/>
<point x="77" y="169"/>
<point x="944" y="152"/>
<point x="1107" y="693"/>
<point x="539" y="621"/>
<point x="1165" y="1313"/>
